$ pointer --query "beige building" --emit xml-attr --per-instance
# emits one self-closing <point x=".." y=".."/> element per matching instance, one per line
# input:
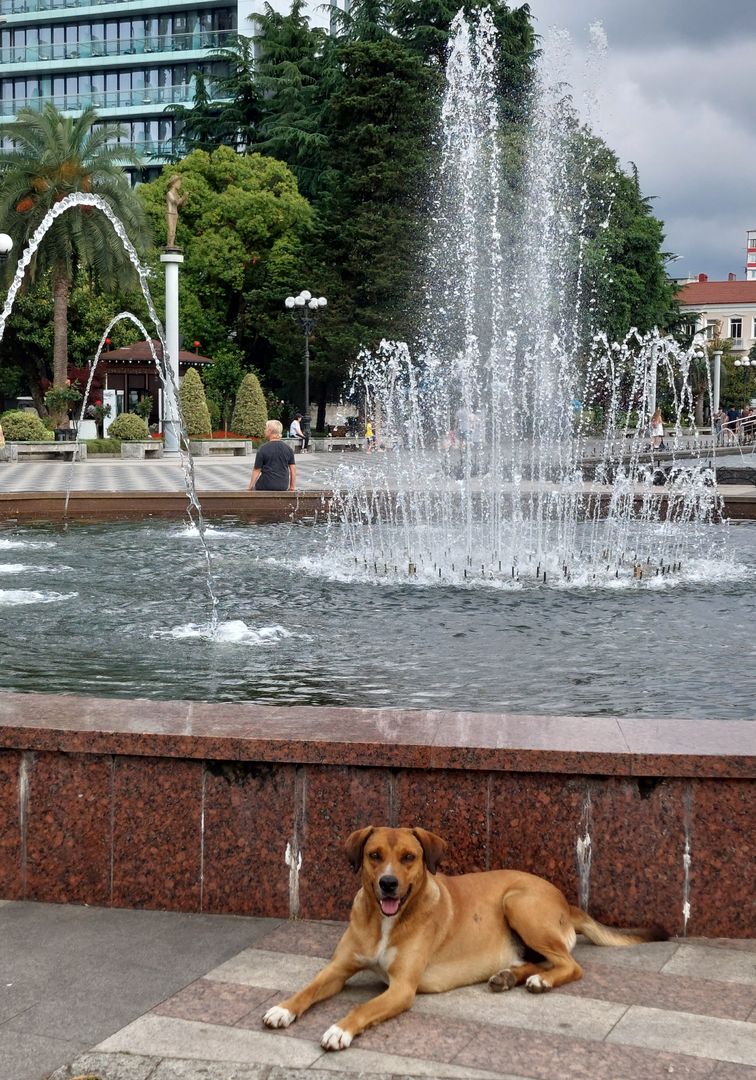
<point x="724" y="309"/>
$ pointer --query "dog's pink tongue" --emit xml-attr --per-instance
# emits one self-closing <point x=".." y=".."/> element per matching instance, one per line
<point x="389" y="905"/>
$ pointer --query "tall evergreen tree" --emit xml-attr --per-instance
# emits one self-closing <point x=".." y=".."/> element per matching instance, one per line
<point x="289" y="72"/>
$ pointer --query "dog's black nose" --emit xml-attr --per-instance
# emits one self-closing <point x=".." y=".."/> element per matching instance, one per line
<point x="389" y="884"/>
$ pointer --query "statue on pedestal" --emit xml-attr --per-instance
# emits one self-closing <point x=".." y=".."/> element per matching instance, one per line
<point x="173" y="203"/>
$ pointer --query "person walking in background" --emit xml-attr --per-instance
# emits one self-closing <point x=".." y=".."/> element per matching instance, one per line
<point x="274" y="468"/>
<point x="656" y="430"/>
<point x="369" y="436"/>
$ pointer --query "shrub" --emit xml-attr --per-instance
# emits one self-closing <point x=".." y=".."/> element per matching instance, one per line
<point x="250" y="412"/>
<point x="194" y="404"/>
<point x="20" y="426"/>
<point x="215" y="413"/>
<point x="103" y="446"/>
<point x="143" y="407"/>
<point x="129" y="428"/>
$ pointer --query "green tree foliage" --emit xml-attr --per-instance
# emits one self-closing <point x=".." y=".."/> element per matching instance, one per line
<point x="194" y="404"/>
<point x="231" y="115"/>
<point x="288" y="72"/>
<point x="624" y="257"/>
<point x="21" y="426"/>
<point x="250" y="411"/>
<point x="128" y="427"/>
<point x="28" y="341"/>
<point x="51" y="157"/>
<point x="223" y="381"/>
<point x="241" y="211"/>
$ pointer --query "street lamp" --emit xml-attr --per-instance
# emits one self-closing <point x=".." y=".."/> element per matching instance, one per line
<point x="304" y="309"/>
<point x="6" y="244"/>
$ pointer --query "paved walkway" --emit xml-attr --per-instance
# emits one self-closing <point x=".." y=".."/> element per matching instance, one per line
<point x="139" y="995"/>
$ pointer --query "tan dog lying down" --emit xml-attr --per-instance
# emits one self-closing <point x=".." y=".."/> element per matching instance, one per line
<point x="423" y="931"/>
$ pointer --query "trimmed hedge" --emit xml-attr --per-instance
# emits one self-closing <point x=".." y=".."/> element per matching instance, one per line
<point x="20" y="426"/>
<point x="194" y="404"/>
<point x="250" y="411"/>
<point x="128" y="427"/>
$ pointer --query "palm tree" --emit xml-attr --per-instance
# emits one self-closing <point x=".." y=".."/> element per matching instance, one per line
<point x="51" y="157"/>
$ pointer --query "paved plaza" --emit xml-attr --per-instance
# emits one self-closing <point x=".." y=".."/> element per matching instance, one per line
<point x="315" y="471"/>
<point x="145" y="995"/>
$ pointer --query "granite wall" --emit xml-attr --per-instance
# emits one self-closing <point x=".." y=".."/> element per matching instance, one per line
<point x="243" y="809"/>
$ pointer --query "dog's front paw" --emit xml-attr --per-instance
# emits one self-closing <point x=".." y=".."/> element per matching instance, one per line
<point x="336" y="1038"/>
<point x="536" y="984"/>
<point x="278" y="1017"/>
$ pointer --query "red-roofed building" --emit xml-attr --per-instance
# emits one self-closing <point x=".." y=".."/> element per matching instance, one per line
<point x="725" y="309"/>
<point x="130" y="372"/>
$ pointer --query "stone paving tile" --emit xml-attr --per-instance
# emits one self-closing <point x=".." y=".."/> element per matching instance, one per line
<point x="556" y="1056"/>
<point x="164" y="1036"/>
<point x="439" y="1038"/>
<point x="257" y="967"/>
<point x="365" y="1063"/>
<point x="579" y="1017"/>
<point x="724" y="965"/>
<point x="650" y="957"/>
<point x="305" y="938"/>
<point x="211" y="1070"/>
<point x="738" y="944"/>
<point x="727" y="1070"/>
<point x="679" y="992"/>
<point x="213" y="1002"/>
<point x="710" y="1036"/>
<point x="110" y="1066"/>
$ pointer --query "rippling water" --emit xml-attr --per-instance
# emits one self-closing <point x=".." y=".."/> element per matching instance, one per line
<point x="121" y="610"/>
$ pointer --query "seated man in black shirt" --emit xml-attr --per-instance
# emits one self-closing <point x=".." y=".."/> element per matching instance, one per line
<point x="274" y="468"/>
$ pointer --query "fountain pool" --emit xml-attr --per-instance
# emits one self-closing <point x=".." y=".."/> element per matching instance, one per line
<point x="297" y="629"/>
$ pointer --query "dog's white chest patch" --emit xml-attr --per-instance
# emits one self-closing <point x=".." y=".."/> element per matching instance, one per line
<point x="385" y="954"/>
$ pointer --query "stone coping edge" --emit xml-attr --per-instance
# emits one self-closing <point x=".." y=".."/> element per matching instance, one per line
<point x="393" y="738"/>
<point x="50" y="506"/>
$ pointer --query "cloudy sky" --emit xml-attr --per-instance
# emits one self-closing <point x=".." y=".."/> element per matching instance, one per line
<point x="676" y="97"/>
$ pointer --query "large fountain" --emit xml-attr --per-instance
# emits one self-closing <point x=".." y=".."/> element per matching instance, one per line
<point x="518" y="434"/>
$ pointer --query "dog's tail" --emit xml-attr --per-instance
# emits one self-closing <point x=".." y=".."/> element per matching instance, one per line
<point x="607" y="935"/>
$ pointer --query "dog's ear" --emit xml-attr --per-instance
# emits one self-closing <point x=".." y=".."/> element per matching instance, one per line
<point x="355" y="846"/>
<point x="433" y="848"/>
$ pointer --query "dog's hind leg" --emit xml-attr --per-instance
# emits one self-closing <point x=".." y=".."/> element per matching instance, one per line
<point x="545" y="926"/>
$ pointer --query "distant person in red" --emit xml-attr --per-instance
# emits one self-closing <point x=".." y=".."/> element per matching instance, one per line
<point x="274" y="468"/>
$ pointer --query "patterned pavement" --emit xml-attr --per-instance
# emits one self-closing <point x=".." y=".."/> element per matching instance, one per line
<point x="116" y="474"/>
<point x="683" y="1008"/>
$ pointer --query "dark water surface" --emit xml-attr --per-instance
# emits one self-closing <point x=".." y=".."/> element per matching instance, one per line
<point x="121" y="610"/>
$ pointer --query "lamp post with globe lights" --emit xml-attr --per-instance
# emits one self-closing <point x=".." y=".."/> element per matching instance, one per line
<point x="304" y="309"/>
<point x="6" y="246"/>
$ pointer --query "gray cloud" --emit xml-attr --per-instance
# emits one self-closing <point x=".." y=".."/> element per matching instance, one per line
<point x="675" y="97"/>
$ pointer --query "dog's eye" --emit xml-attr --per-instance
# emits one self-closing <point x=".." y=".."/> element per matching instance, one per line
<point x="408" y="858"/>
<point x="375" y="856"/>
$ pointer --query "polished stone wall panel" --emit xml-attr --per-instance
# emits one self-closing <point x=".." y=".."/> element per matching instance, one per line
<point x="722" y="859"/>
<point x="68" y="840"/>
<point x="453" y="804"/>
<point x="536" y="819"/>
<point x="11" y="870"/>
<point x="156" y="833"/>
<point x="248" y="822"/>
<point x="637" y="847"/>
<point x="336" y="801"/>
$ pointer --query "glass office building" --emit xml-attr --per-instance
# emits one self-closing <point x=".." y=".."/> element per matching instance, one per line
<point x="122" y="56"/>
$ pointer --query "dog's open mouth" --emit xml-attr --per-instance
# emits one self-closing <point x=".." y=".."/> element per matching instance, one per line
<point x="390" y="905"/>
